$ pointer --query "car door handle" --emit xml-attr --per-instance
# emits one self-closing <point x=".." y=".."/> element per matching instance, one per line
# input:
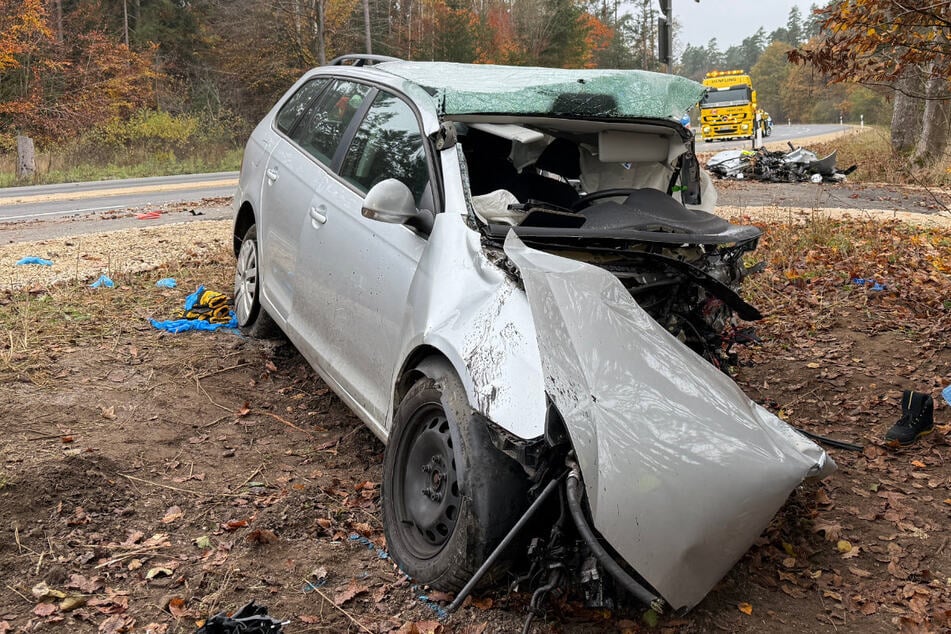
<point x="271" y="174"/>
<point x="318" y="215"/>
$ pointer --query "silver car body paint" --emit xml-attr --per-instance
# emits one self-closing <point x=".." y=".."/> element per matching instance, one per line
<point x="474" y="313"/>
<point x="682" y="470"/>
<point x="452" y="299"/>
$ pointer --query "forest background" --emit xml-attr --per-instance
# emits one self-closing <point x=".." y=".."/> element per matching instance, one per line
<point x="111" y="88"/>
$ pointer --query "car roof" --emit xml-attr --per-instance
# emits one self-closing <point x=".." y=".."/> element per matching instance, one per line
<point x="459" y="89"/>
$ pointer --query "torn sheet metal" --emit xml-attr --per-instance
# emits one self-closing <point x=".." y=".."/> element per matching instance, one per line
<point x="682" y="470"/>
<point x="469" y="309"/>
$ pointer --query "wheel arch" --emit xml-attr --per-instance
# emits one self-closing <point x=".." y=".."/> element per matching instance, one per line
<point x="242" y="222"/>
<point x="427" y="361"/>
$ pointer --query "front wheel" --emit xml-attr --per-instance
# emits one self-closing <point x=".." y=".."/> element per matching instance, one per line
<point x="449" y="496"/>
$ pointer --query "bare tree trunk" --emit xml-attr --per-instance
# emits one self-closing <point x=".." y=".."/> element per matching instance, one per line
<point x="321" y="48"/>
<point x="934" y="128"/>
<point x="59" y="21"/>
<point x="906" y="112"/>
<point x="366" y="25"/>
<point x="26" y="157"/>
<point x="125" y="20"/>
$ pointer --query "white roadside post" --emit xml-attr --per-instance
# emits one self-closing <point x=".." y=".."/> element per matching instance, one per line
<point x="757" y="132"/>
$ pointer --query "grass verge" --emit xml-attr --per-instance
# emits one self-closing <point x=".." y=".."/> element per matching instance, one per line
<point x="60" y="170"/>
<point x="871" y="149"/>
<point x="40" y="323"/>
<point x="815" y="267"/>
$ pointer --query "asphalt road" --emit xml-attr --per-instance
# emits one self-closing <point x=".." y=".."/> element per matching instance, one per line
<point x="136" y="194"/>
<point x="21" y="208"/>
<point x="141" y="194"/>
<point x="781" y="133"/>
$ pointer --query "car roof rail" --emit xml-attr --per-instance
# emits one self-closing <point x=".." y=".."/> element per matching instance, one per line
<point x="361" y="59"/>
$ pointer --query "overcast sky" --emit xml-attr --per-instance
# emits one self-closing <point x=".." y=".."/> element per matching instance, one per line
<point x="730" y="20"/>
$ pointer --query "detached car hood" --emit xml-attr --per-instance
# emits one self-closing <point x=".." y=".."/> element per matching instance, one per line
<point x="682" y="471"/>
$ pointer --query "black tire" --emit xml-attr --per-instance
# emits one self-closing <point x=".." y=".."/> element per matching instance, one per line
<point x="253" y="319"/>
<point x="449" y="496"/>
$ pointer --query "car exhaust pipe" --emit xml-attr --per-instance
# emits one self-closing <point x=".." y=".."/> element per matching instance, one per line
<point x="573" y="492"/>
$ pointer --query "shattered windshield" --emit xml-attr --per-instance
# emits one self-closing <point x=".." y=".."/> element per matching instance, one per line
<point x="595" y="93"/>
<point x="730" y="97"/>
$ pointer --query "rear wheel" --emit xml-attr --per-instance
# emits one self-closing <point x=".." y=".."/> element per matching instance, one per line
<point x="449" y="496"/>
<point x="253" y="320"/>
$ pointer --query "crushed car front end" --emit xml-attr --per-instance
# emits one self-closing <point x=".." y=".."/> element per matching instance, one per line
<point x="626" y="295"/>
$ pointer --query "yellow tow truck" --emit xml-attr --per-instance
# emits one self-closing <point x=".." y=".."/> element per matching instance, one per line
<point x="729" y="109"/>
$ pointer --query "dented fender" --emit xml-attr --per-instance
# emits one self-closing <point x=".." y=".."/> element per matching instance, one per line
<point x="469" y="309"/>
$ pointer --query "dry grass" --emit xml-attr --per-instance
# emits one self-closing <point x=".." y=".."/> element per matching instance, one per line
<point x="56" y="311"/>
<point x="812" y="265"/>
<point x="870" y="148"/>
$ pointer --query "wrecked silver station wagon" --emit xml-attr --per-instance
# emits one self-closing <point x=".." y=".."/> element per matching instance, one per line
<point x="513" y="276"/>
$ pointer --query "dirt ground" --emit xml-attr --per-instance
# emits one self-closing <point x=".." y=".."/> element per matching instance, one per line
<point x="150" y="480"/>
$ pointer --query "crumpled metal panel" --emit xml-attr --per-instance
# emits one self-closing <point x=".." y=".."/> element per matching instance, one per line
<point x="491" y="89"/>
<point x="462" y="304"/>
<point x="682" y="470"/>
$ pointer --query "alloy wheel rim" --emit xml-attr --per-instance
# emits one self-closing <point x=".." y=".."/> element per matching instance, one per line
<point x="245" y="281"/>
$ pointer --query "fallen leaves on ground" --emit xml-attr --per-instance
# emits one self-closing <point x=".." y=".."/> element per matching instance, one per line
<point x="353" y="589"/>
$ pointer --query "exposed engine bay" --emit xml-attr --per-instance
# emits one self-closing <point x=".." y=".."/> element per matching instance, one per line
<point x="630" y="199"/>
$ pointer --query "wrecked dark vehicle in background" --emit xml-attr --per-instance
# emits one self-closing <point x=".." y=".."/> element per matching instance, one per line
<point x="795" y="166"/>
<point x="513" y="276"/>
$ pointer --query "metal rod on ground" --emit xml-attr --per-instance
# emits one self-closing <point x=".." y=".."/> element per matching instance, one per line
<point x="484" y="568"/>
<point x="832" y="442"/>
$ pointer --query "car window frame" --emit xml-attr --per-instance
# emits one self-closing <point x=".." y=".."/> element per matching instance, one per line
<point x="362" y="114"/>
<point x="307" y="106"/>
<point x="433" y="167"/>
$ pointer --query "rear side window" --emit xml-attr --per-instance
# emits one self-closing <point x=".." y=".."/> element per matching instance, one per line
<point x="291" y="111"/>
<point x="324" y="124"/>
<point x="388" y="144"/>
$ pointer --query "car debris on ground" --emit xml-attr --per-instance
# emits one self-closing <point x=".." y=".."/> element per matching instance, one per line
<point x="796" y="165"/>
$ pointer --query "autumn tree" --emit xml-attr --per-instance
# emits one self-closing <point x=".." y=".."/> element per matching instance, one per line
<point x="62" y="74"/>
<point x="902" y="44"/>
<point x="24" y="30"/>
<point x="769" y="75"/>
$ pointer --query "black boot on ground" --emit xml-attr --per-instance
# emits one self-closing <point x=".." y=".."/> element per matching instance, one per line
<point x="917" y="419"/>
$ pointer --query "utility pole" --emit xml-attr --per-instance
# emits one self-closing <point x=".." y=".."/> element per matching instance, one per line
<point x="665" y="35"/>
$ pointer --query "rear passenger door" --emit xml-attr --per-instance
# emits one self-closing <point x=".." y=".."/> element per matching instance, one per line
<point x="284" y="195"/>
<point x="353" y="273"/>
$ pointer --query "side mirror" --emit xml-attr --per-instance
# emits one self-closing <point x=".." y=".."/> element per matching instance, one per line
<point x="390" y="201"/>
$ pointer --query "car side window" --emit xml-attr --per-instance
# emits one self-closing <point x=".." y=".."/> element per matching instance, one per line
<point x="325" y="123"/>
<point x="388" y="144"/>
<point x="291" y="111"/>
